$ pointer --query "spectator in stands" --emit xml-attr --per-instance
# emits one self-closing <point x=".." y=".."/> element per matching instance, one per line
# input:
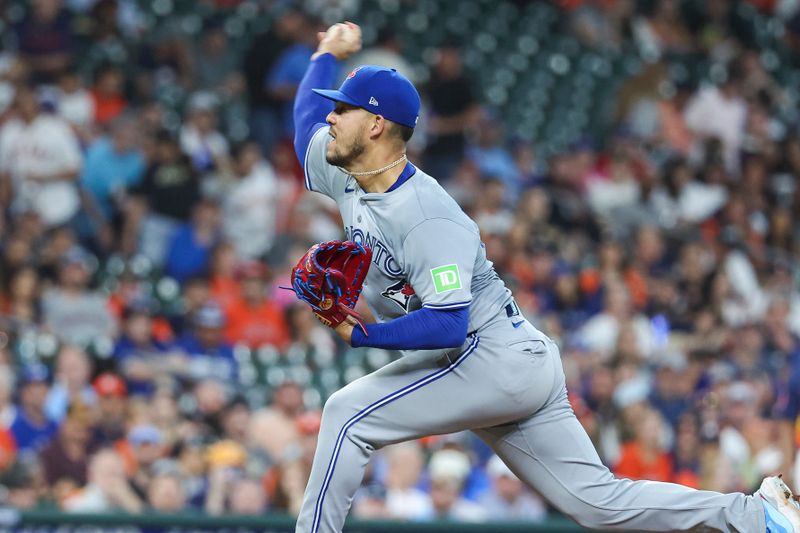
<point x="166" y="64"/>
<point x="253" y="206"/>
<point x="31" y="428"/>
<point x="210" y="398"/>
<point x="247" y="497"/>
<point x="138" y="354"/>
<point x="719" y="112"/>
<point x="259" y="60"/>
<point x="162" y="201"/>
<point x="73" y="370"/>
<point x="746" y="441"/>
<point x="282" y="80"/>
<point x="224" y="283"/>
<point x="20" y="482"/>
<point x="448" y="471"/>
<point x="142" y="448"/>
<point x="687" y="452"/>
<point x="108" y="489"/>
<point x="491" y="213"/>
<point x="306" y="332"/>
<point x="21" y="306"/>
<point x="403" y="499"/>
<point x="196" y="294"/>
<point x="112" y="409"/>
<point x="681" y="200"/>
<point x="672" y="387"/>
<point x="489" y="152"/>
<point x="75" y="104"/>
<point x="107" y="94"/>
<point x="166" y="415"/>
<point x="216" y="63"/>
<point x="510" y="500"/>
<point x="192" y="464"/>
<point x="45" y="39"/>
<point x="226" y="459"/>
<point x="209" y="355"/>
<point x="252" y="319"/>
<point x="39" y="160"/>
<point x="165" y="494"/>
<point x="190" y="247"/>
<point x="453" y="113"/>
<point x="200" y="139"/>
<point x="66" y="458"/>
<point x="273" y="428"/>
<point x="600" y="332"/>
<point x="73" y="312"/>
<point x="114" y="164"/>
<point x="235" y="419"/>
<point x="369" y="502"/>
<point x="644" y="457"/>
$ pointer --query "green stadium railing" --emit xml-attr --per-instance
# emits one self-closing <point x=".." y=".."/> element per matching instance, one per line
<point x="46" y="521"/>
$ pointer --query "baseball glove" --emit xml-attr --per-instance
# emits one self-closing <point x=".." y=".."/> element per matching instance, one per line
<point x="329" y="278"/>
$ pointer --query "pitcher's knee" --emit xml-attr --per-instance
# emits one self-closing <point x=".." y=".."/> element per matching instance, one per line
<point x="338" y="408"/>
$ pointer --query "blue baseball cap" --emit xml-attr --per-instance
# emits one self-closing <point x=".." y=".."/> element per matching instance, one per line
<point x="34" y="373"/>
<point x="380" y="90"/>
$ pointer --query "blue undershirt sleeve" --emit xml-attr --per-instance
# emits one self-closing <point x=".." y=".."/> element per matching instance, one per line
<point x="423" y="329"/>
<point x="310" y="109"/>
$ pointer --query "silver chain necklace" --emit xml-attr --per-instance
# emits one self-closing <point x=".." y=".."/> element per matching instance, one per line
<point x="373" y="172"/>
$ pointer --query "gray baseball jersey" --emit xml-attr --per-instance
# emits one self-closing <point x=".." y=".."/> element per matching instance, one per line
<point x="426" y="251"/>
<point x="506" y="382"/>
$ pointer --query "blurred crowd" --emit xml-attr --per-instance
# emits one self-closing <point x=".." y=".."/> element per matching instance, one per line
<point x="152" y="207"/>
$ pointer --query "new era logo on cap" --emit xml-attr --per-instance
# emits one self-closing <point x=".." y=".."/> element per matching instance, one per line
<point x="372" y="101"/>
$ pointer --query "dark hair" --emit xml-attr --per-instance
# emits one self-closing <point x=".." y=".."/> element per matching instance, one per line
<point x="402" y="132"/>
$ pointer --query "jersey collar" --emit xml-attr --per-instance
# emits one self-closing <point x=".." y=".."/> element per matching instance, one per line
<point x="408" y="171"/>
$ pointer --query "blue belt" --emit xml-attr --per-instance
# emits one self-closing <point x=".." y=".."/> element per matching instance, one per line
<point x="512" y="309"/>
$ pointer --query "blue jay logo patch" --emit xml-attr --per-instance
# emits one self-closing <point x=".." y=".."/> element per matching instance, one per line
<point x="400" y="293"/>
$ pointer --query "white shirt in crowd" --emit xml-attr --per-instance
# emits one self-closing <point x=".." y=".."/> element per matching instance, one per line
<point x="710" y="113"/>
<point x="202" y="148"/>
<point x="600" y="334"/>
<point x="76" y="107"/>
<point x="408" y="504"/>
<point x="250" y="211"/>
<point x="44" y="147"/>
<point x="694" y="204"/>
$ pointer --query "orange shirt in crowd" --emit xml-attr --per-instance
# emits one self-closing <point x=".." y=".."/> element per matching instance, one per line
<point x="224" y="290"/>
<point x="107" y="108"/>
<point x="8" y="449"/>
<point x="632" y="464"/>
<point x="256" y="326"/>
<point x="637" y="287"/>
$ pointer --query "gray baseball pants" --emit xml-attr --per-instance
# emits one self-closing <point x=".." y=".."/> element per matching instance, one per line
<point x="507" y="385"/>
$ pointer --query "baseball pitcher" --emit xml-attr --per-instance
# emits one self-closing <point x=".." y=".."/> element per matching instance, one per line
<point x="470" y="360"/>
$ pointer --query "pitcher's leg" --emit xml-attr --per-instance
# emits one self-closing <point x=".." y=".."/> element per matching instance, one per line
<point x="401" y="401"/>
<point x="552" y="453"/>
